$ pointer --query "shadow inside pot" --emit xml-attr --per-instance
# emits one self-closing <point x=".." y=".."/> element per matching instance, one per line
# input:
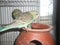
<point x="35" y="42"/>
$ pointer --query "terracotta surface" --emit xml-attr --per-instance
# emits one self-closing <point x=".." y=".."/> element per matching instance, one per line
<point x="39" y="26"/>
<point x="35" y="37"/>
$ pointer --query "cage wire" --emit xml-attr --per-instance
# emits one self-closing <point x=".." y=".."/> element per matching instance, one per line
<point x="6" y="8"/>
<point x="46" y="11"/>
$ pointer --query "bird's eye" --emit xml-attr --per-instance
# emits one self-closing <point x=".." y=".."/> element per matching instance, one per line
<point x="36" y="14"/>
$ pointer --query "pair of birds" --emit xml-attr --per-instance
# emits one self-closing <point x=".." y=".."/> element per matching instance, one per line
<point x="21" y="19"/>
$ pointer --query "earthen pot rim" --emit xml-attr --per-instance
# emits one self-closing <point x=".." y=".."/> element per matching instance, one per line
<point x="50" y="27"/>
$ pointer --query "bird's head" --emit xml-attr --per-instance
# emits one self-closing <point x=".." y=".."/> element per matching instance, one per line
<point x="34" y="14"/>
<point x="16" y="13"/>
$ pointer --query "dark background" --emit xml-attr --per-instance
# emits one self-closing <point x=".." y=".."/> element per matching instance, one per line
<point x="58" y="22"/>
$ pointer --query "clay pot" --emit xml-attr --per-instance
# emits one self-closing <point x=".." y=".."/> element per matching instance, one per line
<point x="38" y="35"/>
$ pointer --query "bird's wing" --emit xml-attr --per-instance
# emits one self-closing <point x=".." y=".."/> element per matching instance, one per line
<point x="16" y="24"/>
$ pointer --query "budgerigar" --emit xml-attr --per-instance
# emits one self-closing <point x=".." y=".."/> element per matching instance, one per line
<point x="16" y="13"/>
<point x="23" y="20"/>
